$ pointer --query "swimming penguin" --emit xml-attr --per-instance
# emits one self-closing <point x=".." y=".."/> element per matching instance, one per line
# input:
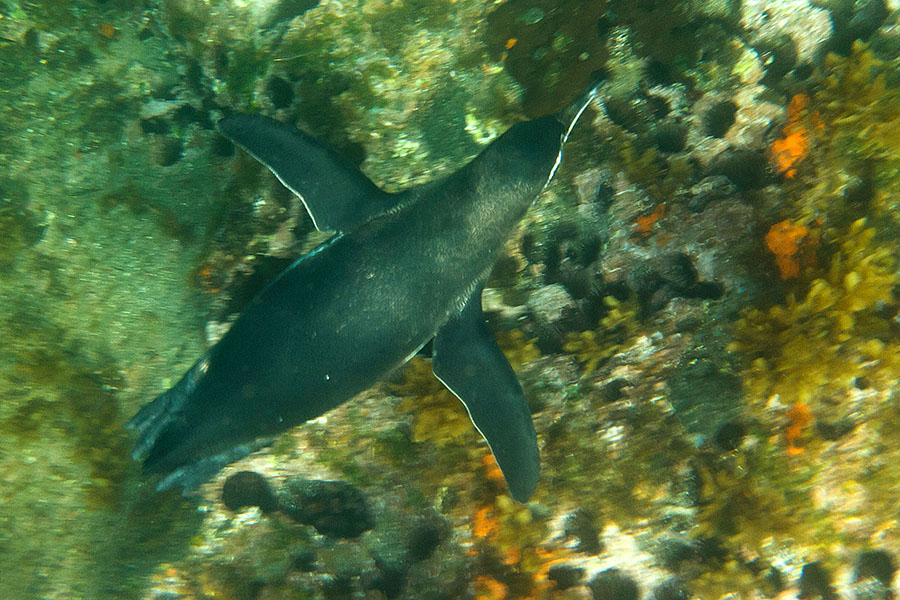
<point x="403" y="269"/>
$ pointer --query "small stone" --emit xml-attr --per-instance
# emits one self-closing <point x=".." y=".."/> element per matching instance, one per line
<point x="554" y="312"/>
<point x="549" y="304"/>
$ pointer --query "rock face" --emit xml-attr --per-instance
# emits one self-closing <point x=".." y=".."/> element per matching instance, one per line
<point x="128" y="226"/>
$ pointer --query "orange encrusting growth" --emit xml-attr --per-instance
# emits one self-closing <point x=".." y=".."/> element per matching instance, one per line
<point x="794" y="143"/>
<point x="485" y="524"/>
<point x="643" y="224"/>
<point x="488" y="588"/>
<point x="108" y="31"/>
<point x="800" y="416"/>
<point x="790" y="244"/>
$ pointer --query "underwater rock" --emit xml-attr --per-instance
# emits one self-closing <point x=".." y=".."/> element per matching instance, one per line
<point x="710" y="189"/>
<point x="581" y="525"/>
<point x="445" y="575"/>
<point x="339" y="587"/>
<point x="657" y="280"/>
<point x="549" y="304"/>
<point x="553" y="48"/>
<point x="248" y="488"/>
<point x="555" y="313"/>
<point x="334" y="508"/>
<point x="288" y="9"/>
<point x="19" y="228"/>
<point x="871" y="589"/>
<point x="704" y="396"/>
<point x="613" y="584"/>
<point x="565" y="576"/>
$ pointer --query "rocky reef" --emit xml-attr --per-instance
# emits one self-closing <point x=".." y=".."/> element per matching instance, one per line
<point x="702" y="307"/>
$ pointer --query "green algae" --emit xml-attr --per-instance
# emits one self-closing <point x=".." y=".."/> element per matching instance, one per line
<point x="19" y="229"/>
<point x="184" y="22"/>
<point x="246" y="65"/>
<point x="705" y="396"/>
<point x="395" y="22"/>
<point x="130" y="197"/>
<point x="79" y="401"/>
